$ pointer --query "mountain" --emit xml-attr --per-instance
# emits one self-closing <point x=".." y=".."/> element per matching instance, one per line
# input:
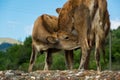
<point x="7" y="42"/>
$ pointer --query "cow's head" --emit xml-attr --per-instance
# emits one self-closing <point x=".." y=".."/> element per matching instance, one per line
<point x="65" y="18"/>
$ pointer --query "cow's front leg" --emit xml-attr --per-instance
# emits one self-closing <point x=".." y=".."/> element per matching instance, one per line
<point x="85" y="49"/>
<point x="83" y="58"/>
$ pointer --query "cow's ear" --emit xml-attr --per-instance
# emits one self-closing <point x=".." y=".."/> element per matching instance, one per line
<point x="58" y="10"/>
<point x="51" y="39"/>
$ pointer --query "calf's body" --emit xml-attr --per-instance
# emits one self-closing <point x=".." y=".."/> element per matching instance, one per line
<point x="44" y="38"/>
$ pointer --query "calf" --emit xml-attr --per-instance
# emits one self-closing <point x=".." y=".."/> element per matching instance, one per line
<point x="44" y="38"/>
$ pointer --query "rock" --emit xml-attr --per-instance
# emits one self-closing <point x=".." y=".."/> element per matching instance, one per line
<point x="32" y="77"/>
<point x="9" y="73"/>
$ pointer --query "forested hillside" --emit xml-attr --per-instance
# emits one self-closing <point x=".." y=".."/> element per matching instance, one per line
<point x="4" y="46"/>
<point x="17" y="56"/>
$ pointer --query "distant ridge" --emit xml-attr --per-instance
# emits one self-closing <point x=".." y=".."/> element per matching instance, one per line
<point x="5" y="43"/>
<point x="9" y="40"/>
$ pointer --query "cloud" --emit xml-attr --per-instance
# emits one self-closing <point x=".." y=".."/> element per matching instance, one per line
<point x="115" y="24"/>
<point x="28" y="29"/>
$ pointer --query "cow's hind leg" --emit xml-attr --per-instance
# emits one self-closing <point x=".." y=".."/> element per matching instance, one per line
<point x="33" y="58"/>
<point x="97" y="54"/>
<point x="86" y="66"/>
<point x="69" y="58"/>
<point x="103" y="51"/>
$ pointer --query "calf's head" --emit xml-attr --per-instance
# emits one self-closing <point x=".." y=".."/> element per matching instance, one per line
<point x="64" y="40"/>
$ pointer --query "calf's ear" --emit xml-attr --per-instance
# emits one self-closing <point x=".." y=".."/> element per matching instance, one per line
<point x="58" y="10"/>
<point x="51" y="39"/>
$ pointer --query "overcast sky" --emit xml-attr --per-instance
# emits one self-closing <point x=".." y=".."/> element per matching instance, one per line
<point x="17" y="16"/>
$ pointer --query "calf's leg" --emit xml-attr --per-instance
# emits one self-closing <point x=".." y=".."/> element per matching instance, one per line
<point x="33" y="58"/>
<point x="48" y="59"/>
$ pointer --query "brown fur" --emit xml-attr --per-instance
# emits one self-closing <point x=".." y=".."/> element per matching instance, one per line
<point x="41" y="27"/>
<point x="81" y="25"/>
<point x="92" y="31"/>
<point x="65" y="16"/>
<point x="100" y="29"/>
<point x="44" y="38"/>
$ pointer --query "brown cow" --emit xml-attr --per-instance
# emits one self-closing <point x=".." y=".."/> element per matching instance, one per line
<point x="44" y="38"/>
<point x="91" y="21"/>
<point x="105" y="31"/>
<point x="69" y="16"/>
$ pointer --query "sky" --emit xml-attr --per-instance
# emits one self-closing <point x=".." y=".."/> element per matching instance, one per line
<point x="17" y="16"/>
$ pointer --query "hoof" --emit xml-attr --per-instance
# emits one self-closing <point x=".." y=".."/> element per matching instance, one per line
<point x="29" y="70"/>
<point x="98" y="72"/>
<point x="81" y="70"/>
